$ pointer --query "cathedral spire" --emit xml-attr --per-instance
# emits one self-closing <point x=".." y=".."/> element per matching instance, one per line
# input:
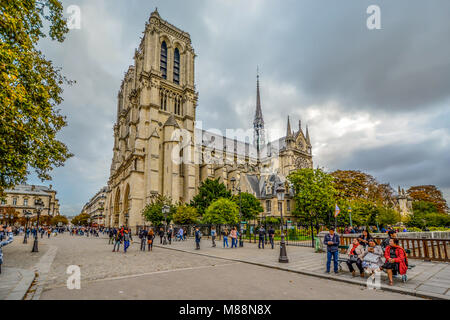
<point x="258" y="122"/>
<point x="289" y="131"/>
<point x="307" y="136"/>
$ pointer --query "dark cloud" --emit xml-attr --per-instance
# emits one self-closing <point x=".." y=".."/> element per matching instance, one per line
<point x="317" y="60"/>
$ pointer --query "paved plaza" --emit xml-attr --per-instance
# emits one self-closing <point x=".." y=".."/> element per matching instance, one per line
<point x="171" y="272"/>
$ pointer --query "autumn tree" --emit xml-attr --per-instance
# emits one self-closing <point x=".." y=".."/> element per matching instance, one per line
<point x="30" y="91"/>
<point x="429" y="193"/>
<point x="59" y="219"/>
<point x="353" y="184"/>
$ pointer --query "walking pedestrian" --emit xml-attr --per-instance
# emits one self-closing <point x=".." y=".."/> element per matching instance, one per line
<point x="9" y="239"/>
<point x="332" y="242"/>
<point x="233" y="236"/>
<point x="213" y="235"/>
<point x="161" y="235"/>
<point x="271" y="236"/>
<point x="126" y="240"/>
<point x="262" y="234"/>
<point x="150" y="237"/>
<point x="117" y="240"/>
<point x="225" y="237"/>
<point x="169" y="234"/>
<point x="198" y="237"/>
<point x="143" y="237"/>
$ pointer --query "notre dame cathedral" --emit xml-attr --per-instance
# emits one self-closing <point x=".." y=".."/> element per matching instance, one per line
<point x="159" y="150"/>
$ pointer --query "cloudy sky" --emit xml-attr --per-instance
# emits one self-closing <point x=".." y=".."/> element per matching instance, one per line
<point x="374" y="100"/>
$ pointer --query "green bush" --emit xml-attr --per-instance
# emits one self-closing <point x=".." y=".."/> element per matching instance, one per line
<point x="439" y="229"/>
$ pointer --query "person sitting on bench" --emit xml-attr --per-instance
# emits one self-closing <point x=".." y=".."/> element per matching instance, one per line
<point x="355" y="253"/>
<point x="395" y="260"/>
<point x="373" y="257"/>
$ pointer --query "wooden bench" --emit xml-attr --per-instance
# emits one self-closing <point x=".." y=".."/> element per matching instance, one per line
<point x="344" y="259"/>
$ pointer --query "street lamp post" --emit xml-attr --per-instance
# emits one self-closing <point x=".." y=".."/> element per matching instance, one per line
<point x="39" y="206"/>
<point x="233" y="182"/>
<point x="27" y="215"/>
<point x="165" y="211"/>
<point x="283" y="255"/>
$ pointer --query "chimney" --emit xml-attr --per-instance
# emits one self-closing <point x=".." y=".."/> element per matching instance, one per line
<point x="33" y="187"/>
<point x="51" y="187"/>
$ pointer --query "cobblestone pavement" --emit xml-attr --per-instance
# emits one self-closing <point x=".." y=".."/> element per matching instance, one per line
<point x="229" y="281"/>
<point x="161" y="273"/>
<point x="429" y="279"/>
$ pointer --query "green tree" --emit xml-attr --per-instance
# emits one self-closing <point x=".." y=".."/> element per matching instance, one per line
<point x="222" y="211"/>
<point x="387" y="216"/>
<point x="30" y="91"/>
<point x="153" y="211"/>
<point x="250" y="205"/>
<point x="209" y="191"/>
<point x="314" y="195"/>
<point x="186" y="215"/>
<point x="426" y="214"/>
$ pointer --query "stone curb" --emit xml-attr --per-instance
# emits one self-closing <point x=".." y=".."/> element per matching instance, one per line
<point x="410" y="292"/>
<point x="21" y="289"/>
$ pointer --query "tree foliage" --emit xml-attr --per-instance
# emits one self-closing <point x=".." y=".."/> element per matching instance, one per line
<point x="57" y="219"/>
<point x="209" y="191"/>
<point x="186" y="215"/>
<point x="429" y="193"/>
<point x="222" y="211"/>
<point x="352" y="184"/>
<point x="426" y="214"/>
<point x="153" y="211"/>
<point x="30" y="91"/>
<point x="250" y="205"/>
<point x="81" y="219"/>
<point x="314" y="194"/>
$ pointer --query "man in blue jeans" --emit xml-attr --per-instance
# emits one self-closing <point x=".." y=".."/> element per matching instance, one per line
<point x="332" y="242"/>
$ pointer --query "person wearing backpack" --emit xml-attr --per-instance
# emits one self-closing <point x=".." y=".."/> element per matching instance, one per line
<point x="117" y="241"/>
<point x="396" y="260"/>
<point x="126" y="240"/>
<point x="150" y="237"/>
<point x="198" y="237"/>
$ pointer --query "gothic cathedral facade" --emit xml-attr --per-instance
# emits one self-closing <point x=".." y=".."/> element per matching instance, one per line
<point x="156" y="101"/>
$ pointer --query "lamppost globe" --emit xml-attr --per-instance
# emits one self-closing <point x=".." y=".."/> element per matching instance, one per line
<point x="283" y="254"/>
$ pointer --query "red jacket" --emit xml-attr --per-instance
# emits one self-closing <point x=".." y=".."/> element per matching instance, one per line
<point x="401" y="258"/>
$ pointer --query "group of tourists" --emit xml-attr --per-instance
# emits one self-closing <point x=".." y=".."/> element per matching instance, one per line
<point x="120" y="236"/>
<point x="368" y="255"/>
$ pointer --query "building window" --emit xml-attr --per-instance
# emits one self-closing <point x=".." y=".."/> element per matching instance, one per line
<point x="14" y="201"/>
<point x="288" y="205"/>
<point x="3" y="201"/>
<point x="164" y="60"/>
<point x="280" y="207"/>
<point x="268" y="206"/>
<point x="178" y="110"/>
<point x="25" y="202"/>
<point x="176" y="66"/>
<point x="163" y="100"/>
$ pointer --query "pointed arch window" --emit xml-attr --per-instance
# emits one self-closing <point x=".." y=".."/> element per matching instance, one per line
<point x="163" y="61"/>
<point x="176" y="66"/>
